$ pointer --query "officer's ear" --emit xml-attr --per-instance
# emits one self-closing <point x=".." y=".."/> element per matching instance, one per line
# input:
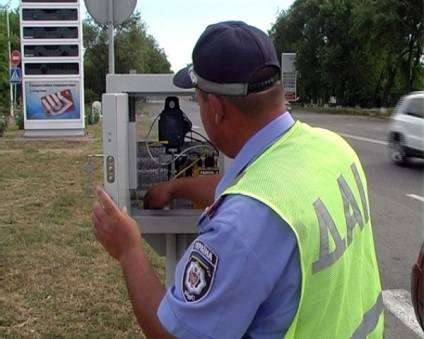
<point x="217" y="108"/>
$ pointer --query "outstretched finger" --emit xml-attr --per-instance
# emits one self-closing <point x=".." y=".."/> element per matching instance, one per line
<point x="108" y="204"/>
<point x="97" y="210"/>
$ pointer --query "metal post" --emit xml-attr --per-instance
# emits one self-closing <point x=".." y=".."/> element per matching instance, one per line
<point x="15" y="96"/>
<point x="111" y="39"/>
<point x="170" y="258"/>
<point x="12" y="112"/>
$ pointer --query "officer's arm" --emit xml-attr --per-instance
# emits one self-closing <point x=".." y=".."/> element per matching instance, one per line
<point x="120" y="236"/>
<point x="200" y="189"/>
<point x="145" y="292"/>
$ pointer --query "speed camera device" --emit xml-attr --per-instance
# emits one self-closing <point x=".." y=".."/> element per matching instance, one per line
<point x="149" y="137"/>
<point x="173" y="124"/>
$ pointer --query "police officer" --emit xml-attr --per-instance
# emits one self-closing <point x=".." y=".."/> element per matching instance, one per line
<point x="286" y="248"/>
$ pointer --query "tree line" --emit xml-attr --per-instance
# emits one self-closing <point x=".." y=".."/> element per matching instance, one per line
<point x="363" y="52"/>
<point x="135" y="50"/>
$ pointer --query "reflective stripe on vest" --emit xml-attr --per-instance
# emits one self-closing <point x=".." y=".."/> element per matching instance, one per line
<point x="370" y="319"/>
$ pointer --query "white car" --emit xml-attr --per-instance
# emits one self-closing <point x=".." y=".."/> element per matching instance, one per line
<point x="406" y="129"/>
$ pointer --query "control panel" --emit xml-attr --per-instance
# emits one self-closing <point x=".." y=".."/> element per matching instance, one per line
<point x="176" y="151"/>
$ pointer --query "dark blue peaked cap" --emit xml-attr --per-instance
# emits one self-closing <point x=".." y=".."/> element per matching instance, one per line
<point x="226" y="57"/>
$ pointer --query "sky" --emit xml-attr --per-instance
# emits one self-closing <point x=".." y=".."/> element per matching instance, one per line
<point x="177" y="24"/>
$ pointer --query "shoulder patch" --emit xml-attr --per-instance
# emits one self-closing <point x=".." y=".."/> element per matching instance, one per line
<point x="199" y="272"/>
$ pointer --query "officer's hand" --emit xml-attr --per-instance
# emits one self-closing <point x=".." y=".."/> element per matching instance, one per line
<point x="158" y="196"/>
<point x="113" y="228"/>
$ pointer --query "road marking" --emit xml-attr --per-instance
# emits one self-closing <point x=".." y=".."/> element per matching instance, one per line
<point x="364" y="139"/>
<point x="417" y="197"/>
<point x="399" y="303"/>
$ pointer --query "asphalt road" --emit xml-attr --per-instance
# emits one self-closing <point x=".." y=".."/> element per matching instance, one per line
<point x="396" y="200"/>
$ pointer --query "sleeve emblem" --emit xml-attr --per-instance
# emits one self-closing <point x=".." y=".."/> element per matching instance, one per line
<point x="199" y="272"/>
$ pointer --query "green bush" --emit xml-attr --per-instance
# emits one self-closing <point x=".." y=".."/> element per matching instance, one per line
<point x="90" y="96"/>
<point x="3" y="125"/>
<point x="19" y="118"/>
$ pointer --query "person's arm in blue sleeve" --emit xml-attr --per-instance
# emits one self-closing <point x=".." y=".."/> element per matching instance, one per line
<point x="241" y="275"/>
<point x="199" y="189"/>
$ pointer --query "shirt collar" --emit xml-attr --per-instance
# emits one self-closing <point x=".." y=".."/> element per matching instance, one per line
<point x="257" y="144"/>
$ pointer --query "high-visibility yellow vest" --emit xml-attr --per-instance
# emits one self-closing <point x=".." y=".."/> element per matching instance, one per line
<point x="314" y="180"/>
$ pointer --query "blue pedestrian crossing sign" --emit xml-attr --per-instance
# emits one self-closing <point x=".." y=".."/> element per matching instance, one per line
<point x="15" y="75"/>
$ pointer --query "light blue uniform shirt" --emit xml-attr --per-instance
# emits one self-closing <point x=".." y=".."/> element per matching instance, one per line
<point x="241" y="277"/>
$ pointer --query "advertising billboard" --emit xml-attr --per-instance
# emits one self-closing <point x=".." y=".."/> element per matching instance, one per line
<point x="51" y="100"/>
<point x="52" y="67"/>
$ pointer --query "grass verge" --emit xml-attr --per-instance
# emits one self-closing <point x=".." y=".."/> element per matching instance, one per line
<point x="57" y="282"/>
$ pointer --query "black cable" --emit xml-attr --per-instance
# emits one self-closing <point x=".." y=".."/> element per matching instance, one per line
<point x="204" y="138"/>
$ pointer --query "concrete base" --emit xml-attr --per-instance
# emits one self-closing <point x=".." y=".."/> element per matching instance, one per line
<point x="53" y="133"/>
